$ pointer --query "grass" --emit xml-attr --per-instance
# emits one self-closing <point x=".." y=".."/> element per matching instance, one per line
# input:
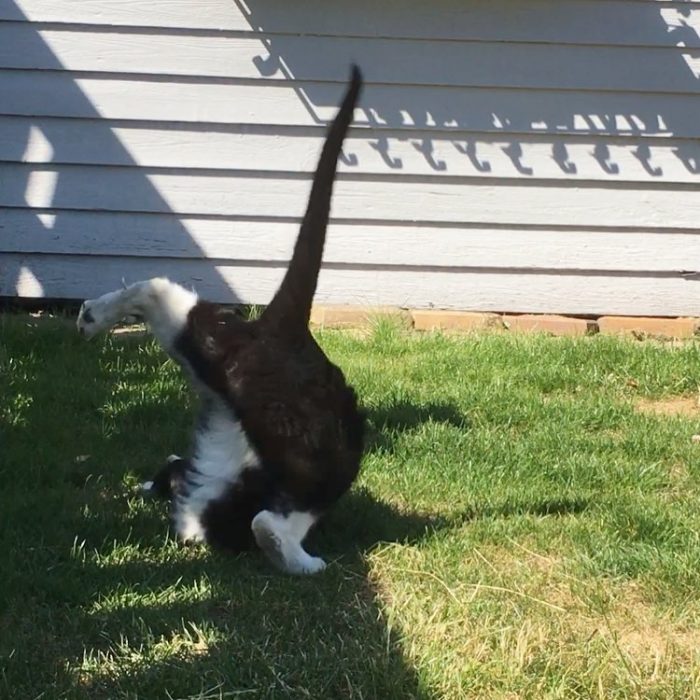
<point x="526" y="526"/>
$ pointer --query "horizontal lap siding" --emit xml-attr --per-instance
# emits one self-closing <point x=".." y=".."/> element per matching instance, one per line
<point x="461" y="64"/>
<point x="292" y="103"/>
<point x="489" y="290"/>
<point x="506" y="156"/>
<point x="243" y="195"/>
<point x="610" y="22"/>
<point x="359" y="243"/>
<point x="416" y="152"/>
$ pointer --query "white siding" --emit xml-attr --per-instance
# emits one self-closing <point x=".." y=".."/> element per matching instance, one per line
<point x="516" y="155"/>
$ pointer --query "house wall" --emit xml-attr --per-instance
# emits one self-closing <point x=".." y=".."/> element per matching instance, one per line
<point x="515" y="155"/>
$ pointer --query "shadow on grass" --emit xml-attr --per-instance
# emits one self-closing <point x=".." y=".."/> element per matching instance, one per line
<point x="545" y="507"/>
<point x="96" y="603"/>
<point x="404" y="415"/>
<point x="389" y="420"/>
<point x="256" y="631"/>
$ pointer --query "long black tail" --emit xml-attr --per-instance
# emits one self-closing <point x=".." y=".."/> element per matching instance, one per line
<point x="291" y="306"/>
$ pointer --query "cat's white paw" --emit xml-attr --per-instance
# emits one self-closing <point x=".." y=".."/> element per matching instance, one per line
<point x="188" y="526"/>
<point x="310" y="565"/>
<point x="283" y="550"/>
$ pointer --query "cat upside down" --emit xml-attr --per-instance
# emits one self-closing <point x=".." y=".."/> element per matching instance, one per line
<point x="279" y="436"/>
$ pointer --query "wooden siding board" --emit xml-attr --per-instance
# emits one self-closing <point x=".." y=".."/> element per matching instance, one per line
<point x="575" y="21"/>
<point x="539" y="157"/>
<point x="78" y="277"/>
<point x="527" y="156"/>
<point x="489" y="110"/>
<point x="140" y="235"/>
<point x="426" y="62"/>
<point x="468" y="201"/>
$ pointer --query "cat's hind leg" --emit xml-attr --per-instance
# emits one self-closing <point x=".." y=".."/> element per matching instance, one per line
<point x="163" y="304"/>
<point x="280" y="537"/>
<point x="221" y="455"/>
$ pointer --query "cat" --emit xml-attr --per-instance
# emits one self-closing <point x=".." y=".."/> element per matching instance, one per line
<point x="279" y="435"/>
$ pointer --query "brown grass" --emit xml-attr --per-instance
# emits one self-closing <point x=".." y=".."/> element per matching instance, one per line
<point x="493" y="620"/>
<point x="676" y="406"/>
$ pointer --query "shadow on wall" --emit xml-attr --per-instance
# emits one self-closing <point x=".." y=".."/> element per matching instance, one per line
<point x="530" y="91"/>
<point x="518" y="87"/>
<point x="49" y="191"/>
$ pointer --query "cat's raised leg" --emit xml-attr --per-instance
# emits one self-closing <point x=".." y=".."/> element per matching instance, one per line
<point x="163" y="304"/>
<point x="280" y="537"/>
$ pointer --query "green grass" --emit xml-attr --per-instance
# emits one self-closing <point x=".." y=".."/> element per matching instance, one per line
<point x="521" y="529"/>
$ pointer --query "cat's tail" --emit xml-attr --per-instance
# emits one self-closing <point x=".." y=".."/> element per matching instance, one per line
<point x="291" y="306"/>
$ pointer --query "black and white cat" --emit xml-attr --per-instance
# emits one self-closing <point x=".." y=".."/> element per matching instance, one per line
<point x="279" y="436"/>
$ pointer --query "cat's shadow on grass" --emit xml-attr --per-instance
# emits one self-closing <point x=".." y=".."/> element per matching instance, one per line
<point x="388" y="421"/>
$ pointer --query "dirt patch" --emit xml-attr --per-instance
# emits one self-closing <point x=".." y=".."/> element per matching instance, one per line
<point x="676" y="406"/>
<point x="645" y="634"/>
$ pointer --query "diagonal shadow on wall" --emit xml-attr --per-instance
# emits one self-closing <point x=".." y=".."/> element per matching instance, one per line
<point x="42" y="213"/>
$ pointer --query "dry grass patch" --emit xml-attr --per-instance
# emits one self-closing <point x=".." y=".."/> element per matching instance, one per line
<point x="499" y="618"/>
<point x="685" y="406"/>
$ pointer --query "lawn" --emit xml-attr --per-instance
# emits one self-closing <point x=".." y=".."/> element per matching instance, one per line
<point x="526" y="525"/>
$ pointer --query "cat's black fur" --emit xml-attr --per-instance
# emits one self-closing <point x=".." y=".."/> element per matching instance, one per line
<point x="296" y="410"/>
<point x="294" y="404"/>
